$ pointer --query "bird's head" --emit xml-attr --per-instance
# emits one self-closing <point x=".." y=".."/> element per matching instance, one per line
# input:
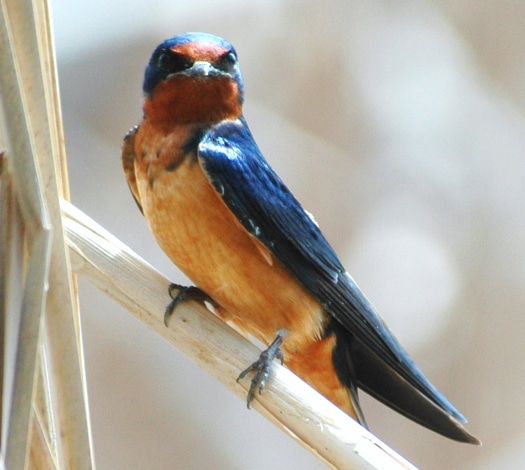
<point x="193" y="77"/>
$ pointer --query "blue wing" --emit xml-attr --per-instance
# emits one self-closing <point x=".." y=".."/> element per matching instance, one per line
<point x="268" y="210"/>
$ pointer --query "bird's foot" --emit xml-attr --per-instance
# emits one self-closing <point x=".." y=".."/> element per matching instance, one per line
<point x="262" y="367"/>
<point x="180" y="294"/>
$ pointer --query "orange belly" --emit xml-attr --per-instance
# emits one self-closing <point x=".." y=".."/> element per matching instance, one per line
<point x="204" y="239"/>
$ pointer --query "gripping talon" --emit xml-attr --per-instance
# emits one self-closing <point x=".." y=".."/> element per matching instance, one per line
<point x="262" y="367"/>
<point x="184" y="293"/>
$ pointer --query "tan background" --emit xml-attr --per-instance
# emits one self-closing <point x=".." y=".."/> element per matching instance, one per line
<point x="400" y="125"/>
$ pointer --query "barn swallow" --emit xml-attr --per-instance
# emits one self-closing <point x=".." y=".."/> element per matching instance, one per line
<point x="226" y="219"/>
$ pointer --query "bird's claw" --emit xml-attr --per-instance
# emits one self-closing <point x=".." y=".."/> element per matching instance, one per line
<point x="262" y="367"/>
<point x="180" y="293"/>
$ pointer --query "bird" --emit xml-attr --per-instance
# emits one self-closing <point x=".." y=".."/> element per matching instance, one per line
<point x="227" y="220"/>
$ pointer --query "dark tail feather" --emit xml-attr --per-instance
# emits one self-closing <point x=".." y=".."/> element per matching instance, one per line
<point x="380" y="381"/>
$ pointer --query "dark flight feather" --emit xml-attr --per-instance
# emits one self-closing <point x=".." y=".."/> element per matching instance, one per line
<point x="267" y="209"/>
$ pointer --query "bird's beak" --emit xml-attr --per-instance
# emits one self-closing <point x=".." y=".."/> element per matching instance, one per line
<point x="203" y="69"/>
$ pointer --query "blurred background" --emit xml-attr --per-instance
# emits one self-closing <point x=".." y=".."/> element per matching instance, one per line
<point x="400" y="125"/>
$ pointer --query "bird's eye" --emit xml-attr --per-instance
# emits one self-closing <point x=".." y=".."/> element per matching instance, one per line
<point x="172" y="62"/>
<point x="227" y="62"/>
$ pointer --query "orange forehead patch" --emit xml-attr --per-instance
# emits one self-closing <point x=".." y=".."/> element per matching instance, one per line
<point x="207" y="51"/>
